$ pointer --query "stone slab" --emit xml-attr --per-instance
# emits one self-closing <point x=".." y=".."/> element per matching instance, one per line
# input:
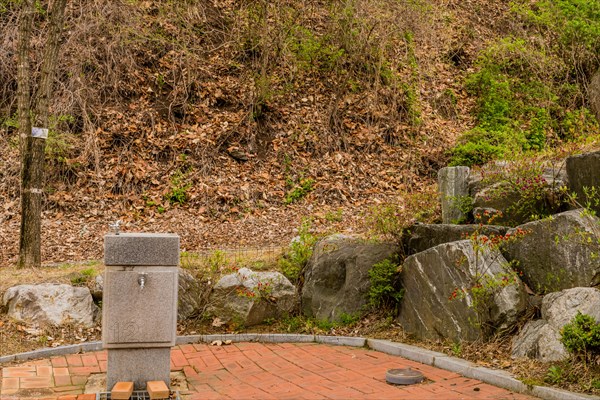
<point x="453" y="183"/>
<point x="148" y="249"/>
<point x="133" y="316"/>
<point x="138" y="366"/>
<point x="582" y="171"/>
<point x="341" y="340"/>
<point x="498" y="378"/>
<point x="547" y="393"/>
<point x="405" y="350"/>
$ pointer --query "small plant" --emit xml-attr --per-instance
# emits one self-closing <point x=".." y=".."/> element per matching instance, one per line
<point x="83" y="277"/>
<point x="456" y="349"/>
<point x="216" y="261"/>
<point x="385" y="291"/>
<point x="299" y="191"/>
<point x="391" y="221"/>
<point x="178" y="192"/>
<point x="581" y="337"/>
<point x="464" y="204"/>
<point x="334" y="216"/>
<point x="554" y="375"/>
<point x="294" y="260"/>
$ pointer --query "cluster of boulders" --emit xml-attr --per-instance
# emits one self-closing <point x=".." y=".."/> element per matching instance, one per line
<point x="455" y="287"/>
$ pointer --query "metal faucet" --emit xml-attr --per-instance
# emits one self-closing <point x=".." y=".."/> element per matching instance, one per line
<point x="142" y="276"/>
<point x="115" y="226"/>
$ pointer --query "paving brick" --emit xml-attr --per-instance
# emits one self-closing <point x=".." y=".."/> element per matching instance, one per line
<point x="37" y="382"/>
<point x="59" y="361"/>
<point x="62" y="380"/>
<point x="89" y="360"/>
<point x="18" y="372"/>
<point x="9" y="383"/>
<point x="84" y="370"/>
<point x="158" y="390"/>
<point x="121" y="391"/>
<point x="88" y="396"/>
<point x="44" y="370"/>
<point x="68" y="397"/>
<point x="74" y="360"/>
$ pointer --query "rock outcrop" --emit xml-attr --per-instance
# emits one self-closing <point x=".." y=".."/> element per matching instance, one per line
<point x="559" y="252"/>
<point x="425" y="236"/>
<point x="249" y="298"/>
<point x="540" y="339"/>
<point x="454" y="292"/>
<point x="50" y="304"/>
<point x="336" y="280"/>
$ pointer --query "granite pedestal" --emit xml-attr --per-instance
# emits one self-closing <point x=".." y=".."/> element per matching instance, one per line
<point x="139" y="313"/>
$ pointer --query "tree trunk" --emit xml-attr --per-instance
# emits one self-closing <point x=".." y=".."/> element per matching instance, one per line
<point x="34" y="148"/>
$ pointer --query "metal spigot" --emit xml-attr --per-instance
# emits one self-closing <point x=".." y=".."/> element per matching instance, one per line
<point x="115" y="226"/>
<point x="142" y="276"/>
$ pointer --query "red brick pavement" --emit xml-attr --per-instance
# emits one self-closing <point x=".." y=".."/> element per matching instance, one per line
<point x="256" y="371"/>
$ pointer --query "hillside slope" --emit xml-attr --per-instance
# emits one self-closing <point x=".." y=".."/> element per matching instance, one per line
<point x="228" y="122"/>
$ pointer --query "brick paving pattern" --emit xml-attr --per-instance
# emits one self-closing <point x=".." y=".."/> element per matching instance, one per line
<point x="256" y="371"/>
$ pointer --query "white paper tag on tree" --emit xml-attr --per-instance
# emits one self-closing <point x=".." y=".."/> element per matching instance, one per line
<point x="41" y="133"/>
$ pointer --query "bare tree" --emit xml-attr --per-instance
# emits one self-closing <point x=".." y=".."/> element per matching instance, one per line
<point x="33" y="140"/>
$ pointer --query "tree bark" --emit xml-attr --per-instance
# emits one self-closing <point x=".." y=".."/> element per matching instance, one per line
<point x="34" y="148"/>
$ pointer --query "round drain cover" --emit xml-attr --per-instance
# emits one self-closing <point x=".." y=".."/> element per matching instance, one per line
<point x="403" y="376"/>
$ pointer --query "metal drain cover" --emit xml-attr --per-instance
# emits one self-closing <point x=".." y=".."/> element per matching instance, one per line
<point x="403" y="376"/>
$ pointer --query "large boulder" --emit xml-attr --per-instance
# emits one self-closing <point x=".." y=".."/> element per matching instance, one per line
<point x="50" y="304"/>
<point x="559" y="252"/>
<point x="582" y="171"/>
<point x="336" y="280"/>
<point x="250" y="298"/>
<point x="425" y="236"/>
<point x="540" y="339"/>
<point x="560" y="308"/>
<point x="439" y="300"/>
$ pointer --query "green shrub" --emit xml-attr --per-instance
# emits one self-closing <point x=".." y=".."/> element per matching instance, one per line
<point x="385" y="291"/>
<point x="581" y="336"/>
<point x="294" y="260"/>
<point x="178" y="192"/>
<point x="299" y="191"/>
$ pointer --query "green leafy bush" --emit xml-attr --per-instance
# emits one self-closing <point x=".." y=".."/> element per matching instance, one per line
<point x="385" y="291"/>
<point x="294" y="260"/>
<point x="581" y="336"/>
<point x="299" y="191"/>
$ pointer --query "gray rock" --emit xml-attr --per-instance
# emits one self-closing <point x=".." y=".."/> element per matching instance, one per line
<point x="559" y="252"/>
<point x="97" y="288"/>
<point x="504" y="197"/>
<point x="193" y="296"/>
<point x="50" y="304"/>
<point x="431" y="277"/>
<point x="594" y="94"/>
<point x="453" y="183"/>
<point x="250" y="298"/>
<point x="582" y="171"/>
<point x="539" y="340"/>
<point x="559" y="308"/>
<point x="486" y="215"/>
<point x="336" y="280"/>
<point x="425" y="236"/>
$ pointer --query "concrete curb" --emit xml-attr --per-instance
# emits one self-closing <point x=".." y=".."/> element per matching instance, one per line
<point x="498" y="378"/>
<point x="494" y="377"/>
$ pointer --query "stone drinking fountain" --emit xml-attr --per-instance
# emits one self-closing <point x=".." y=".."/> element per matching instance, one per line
<point x="139" y="311"/>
